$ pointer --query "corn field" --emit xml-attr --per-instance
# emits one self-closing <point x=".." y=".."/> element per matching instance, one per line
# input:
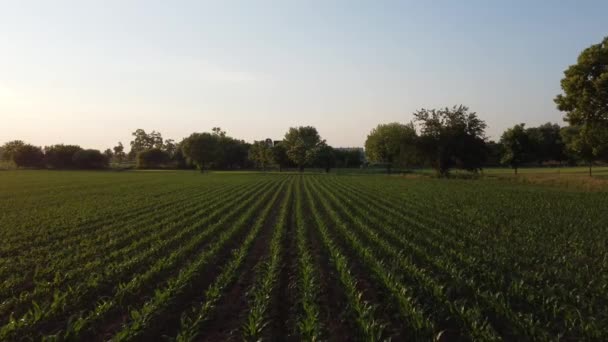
<point x="140" y="256"/>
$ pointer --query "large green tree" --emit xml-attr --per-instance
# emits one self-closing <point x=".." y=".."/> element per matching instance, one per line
<point x="152" y="158"/>
<point x="391" y="144"/>
<point x="201" y="149"/>
<point x="119" y="152"/>
<point x="28" y="156"/>
<point x="279" y="156"/>
<point x="261" y="154"/>
<point x="302" y="145"/>
<point x="585" y="87"/>
<point x="516" y="146"/>
<point x="325" y="158"/>
<point x="60" y="156"/>
<point x="90" y="159"/>
<point x="7" y="151"/>
<point x="452" y="137"/>
<point x="587" y="143"/>
<point x="585" y="101"/>
<point x="145" y="141"/>
<point x="546" y="143"/>
<point x="232" y="153"/>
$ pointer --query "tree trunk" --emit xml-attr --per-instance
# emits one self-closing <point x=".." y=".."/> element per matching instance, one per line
<point x="590" y="166"/>
<point x="327" y="169"/>
<point x="280" y="168"/>
<point x="515" y="168"/>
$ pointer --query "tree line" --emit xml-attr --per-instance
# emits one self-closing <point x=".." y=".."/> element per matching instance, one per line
<point x="454" y="137"/>
<point x="301" y="147"/>
<point x="443" y="139"/>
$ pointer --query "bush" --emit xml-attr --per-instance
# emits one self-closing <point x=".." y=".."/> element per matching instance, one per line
<point x="90" y="159"/>
<point x="28" y="156"/>
<point x="152" y="158"/>
<point x="61" y="156"/>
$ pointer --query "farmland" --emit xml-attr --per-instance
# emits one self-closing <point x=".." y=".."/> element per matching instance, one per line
<point x="139" y="255"/>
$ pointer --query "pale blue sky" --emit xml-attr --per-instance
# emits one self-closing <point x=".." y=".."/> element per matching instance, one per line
<point x="90" y="73"/>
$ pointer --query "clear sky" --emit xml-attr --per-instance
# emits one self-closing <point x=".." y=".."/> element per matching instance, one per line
<point x="91" y="72"/>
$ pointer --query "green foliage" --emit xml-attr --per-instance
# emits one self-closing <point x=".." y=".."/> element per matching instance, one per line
<point x="588" y="143"/>
<point x="109" y="154"/>
<point x="90" y="159"/>
<point x="279" y="156"/>
<point x="153" y="158"/>
<point x="325" y="157"/>
<point x="212" y="150"/>
<point x="268" y="278"/>
<point x="546" y="143"/>
<point x="312" y="257"/>
<point x="27" y="156"/>
<point x="392" y="144"/>
<point x="585" y="101"/>
<point x="60" y="156"/>
<point x="495" y="151"/>
<point x="143" y="141"/>
<point x="7" y="151"/>
<point x="452" y="137"/>
<point x="585" y="86"/>
<point x="302" y="144"/>
<point x="516" y="145"/>
<point x="261" y="154"/>
<point x="349" y="157"/>
<point x="119" y="152"/>
<point x="201" y="149"/>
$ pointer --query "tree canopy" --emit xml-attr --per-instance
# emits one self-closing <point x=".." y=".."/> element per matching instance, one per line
<point x="7" y="151"/>
<point x="585" y="101"/>
<point x="152" y="158"/>
<point x="452" y="137"/>
<point x="119" y="152"/>
<point x="516" y="145"/>
<point x="391" y="144"/>
<point x="546" y="143"/>
<point x="60" y="156"/>
<point x="90" y="159"/>
<point x="143" y="141"/>
<point x="201" y="149"/>
<point x="586" y="142"/>
<point x="261" y="154"/>
<point x="279" y="156"/>
<point x="325" y="157"/>
<point x="585" y="87"/>
<point x="302" y="144"/>
<point x="28" y="156"/>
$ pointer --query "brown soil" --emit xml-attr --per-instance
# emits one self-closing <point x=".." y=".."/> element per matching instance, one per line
<point x="332" y="300"/>
<point x="171" y="319"/>
<point x="231" y="311"/>
<point x="366" y="284"/>
<point x="283" y="307"/>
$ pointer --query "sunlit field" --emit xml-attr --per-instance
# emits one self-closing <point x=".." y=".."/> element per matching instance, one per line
<point x="190" y="256"/>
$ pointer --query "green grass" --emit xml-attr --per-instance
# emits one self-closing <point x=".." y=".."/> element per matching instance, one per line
<point x="568" y="170"/>
<point x="136" y="255"/>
